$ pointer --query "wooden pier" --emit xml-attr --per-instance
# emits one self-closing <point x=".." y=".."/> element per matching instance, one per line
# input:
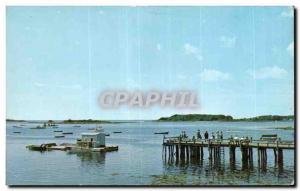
<point x="182" y="149"/>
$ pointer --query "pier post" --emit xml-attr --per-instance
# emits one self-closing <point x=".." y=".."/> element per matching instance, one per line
<point x="275" y="156"/>
<point x="165" y="152"/>
<point x="251" y="157"/>
<point x="258" y="156"/>
<point x="280" y="157"/>
<point x="245" y="158"/>
<point x="198" y="153"/>
<point x="232" y="153"/>
<point x="263" y="159"/>
<point x="177" y="152"/>
<point x="169" y="152"/>
<point x="187" y="148"/>
<point x="182" y="153"/>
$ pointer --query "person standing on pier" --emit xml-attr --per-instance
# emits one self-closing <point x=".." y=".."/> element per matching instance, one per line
<point x="213" y="135"/>
<point x="218" y="135"/>
<point x="206" y="135"/>
<point x="221" y="136"/>
<point x="199" y="134"/>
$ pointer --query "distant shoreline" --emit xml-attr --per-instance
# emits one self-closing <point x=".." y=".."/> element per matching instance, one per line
<point x="224" y="118"/>
<point x="173" y="118"/>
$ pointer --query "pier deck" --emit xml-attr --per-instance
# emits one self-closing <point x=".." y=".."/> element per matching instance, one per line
<point x="184" y="149"/>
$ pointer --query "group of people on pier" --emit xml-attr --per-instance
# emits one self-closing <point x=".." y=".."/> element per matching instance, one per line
<point x="214" y="135"/>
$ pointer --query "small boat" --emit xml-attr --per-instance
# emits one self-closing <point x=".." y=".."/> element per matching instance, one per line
<point x="16" y="126"/>
<point x="162" y="133"/>
<point x="76" y="126"/>
<point x="99" y="129"/>
<point x="59" y="136"/>
<point x="41" y="147"/>
<point x="107" y="135"/>
<point x="38" y="127"/>
<point x="117" y="132"/>
<point x="67" y="133"/>
<point x="57" y="131"/>
<point x="17" y="132"/>
<point x="35" y="147"/>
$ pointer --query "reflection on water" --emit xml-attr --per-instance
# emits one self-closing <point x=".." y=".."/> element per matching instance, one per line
<point x="217" y="170"/>
<point x="92" y="158"/>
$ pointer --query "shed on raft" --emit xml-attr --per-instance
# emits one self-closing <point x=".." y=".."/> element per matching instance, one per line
<point x="92" y="140"/>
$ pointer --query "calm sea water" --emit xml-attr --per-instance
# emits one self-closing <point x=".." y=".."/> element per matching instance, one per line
<point x="139" y="159"/>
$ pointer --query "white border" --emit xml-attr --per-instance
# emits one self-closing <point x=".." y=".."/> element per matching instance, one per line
<point x="4" y="3"/>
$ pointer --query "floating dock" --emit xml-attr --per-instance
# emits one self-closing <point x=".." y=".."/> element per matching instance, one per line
<point x="89" y="142"/>
<point x="72" y="148"/>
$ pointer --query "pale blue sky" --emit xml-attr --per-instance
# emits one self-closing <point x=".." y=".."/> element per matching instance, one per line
<point x="238" y="59"/>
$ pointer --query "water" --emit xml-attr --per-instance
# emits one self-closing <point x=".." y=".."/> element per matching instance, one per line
<point x="139" y="159"/>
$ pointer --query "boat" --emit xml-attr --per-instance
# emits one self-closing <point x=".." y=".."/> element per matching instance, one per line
<point x="17" y="132"/>
<point x="162" y="133"/>
<point x="59" y="136"/>
<point x="57" y="131"/>
<point x="16" y="126"/>
<point x="67" y="133"/>
<point x="107" y="135"/>
<point x="97" y="129"/>
<point x="76" y="126"/>
<point x="41" y="147"/>
<point x="117" y="132"/>
<point x="38" y="127"/>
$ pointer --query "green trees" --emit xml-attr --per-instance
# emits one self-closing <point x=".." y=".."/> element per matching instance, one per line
<point x="208" y="117"/>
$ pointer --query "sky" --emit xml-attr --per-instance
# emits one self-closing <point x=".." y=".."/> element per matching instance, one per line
<point x="239" y="60"/>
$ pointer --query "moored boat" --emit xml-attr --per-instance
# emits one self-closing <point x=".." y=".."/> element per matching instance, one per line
<point x="162" y="133"/>
<point x="59" y="136"/>
<point x="38" y="127"/>
<point x="67" y="133"/>
<point x="42" y="147"/>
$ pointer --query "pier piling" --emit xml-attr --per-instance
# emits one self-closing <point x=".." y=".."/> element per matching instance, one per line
<point x="193" y="151"/>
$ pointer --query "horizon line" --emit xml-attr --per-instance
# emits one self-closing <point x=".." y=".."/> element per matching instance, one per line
<point x="140" y="119"/>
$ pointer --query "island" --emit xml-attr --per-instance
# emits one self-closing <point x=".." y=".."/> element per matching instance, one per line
<point x="268" y="118"/>
<point x="284" y="128"/>
<point x="197" y="117"/>
<point x="85" y="121"/>
<point x="211" y="117"/>
<point x="14" y="120"/>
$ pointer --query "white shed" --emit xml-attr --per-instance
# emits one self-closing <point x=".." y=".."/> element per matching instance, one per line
<point x="97" y="138"/>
